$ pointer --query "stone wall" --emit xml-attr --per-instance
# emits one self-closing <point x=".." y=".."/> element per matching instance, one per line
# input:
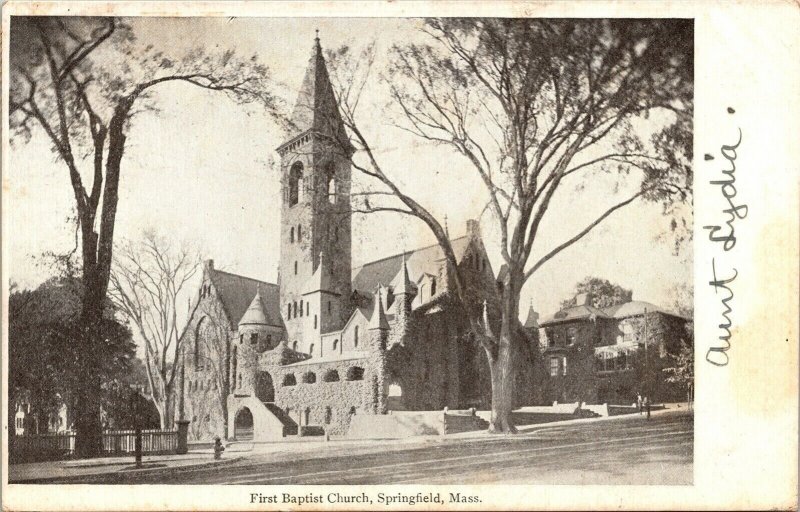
<point x="329" y="404"/>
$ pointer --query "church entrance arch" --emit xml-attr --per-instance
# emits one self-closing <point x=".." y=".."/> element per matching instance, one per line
<point x="394" y="397"/>
<point x="265" y="390"/>
<point x="243" y="425"/>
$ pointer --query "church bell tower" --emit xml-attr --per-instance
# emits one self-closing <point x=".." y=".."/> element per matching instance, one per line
<point x="315" y="260"/>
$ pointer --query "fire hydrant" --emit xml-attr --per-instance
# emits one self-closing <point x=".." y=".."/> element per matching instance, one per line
<point x="218" y="449"/>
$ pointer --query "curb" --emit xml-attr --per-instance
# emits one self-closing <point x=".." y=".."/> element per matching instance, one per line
<point x="121" y="474"/>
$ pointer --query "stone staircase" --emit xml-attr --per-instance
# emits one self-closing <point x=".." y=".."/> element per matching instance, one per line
<point x="289" y="425"/>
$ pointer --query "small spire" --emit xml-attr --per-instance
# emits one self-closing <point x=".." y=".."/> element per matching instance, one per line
<point x="405" y="286"/>
<point x="378" y="320"/>
<point x="317" y="46"/>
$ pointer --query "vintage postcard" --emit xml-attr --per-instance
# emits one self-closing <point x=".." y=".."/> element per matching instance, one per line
<point x="400" y="255"/>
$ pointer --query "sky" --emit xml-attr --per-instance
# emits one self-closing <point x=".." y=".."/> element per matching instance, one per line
<point x="201" y="170"/>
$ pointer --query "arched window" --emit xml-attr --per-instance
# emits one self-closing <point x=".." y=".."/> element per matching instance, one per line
<point x="291" y="235"/>
<point x="301" y="305"/>
<point x="289" y="380"/>
<point x="295" y="268"/>
<point x="294" y="345"/>
<point x="355" y="337"/>
<point x="433" y="286"/>
<point x="309" y="378"/>
<point x="329" y="307"/>
<point x="241" y="339"/>
<point x="328" y="415"/>
<point x="199" y="356"/>
<point x="355" y="373"/>
<point x="306" y="308"/>
<point x="299" y="233"/>
<point x="294" y="309"/>
<point x="331" y="186"/>
<point x="335" y="344"/>
<point x="311" y="349"/>
<point x="239" y="382"/>
<point x="289" y="311"/>
<point x="330" y="376"/>
<point x="295" y="184"/>
<point x="336" y="233"/>
<point x="315" y="321"/>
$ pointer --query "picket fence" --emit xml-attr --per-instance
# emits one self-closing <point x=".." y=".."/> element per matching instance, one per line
<point x="115" y="442"/>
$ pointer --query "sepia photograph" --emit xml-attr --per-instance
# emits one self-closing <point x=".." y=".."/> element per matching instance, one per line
<point x="294" y="251"/>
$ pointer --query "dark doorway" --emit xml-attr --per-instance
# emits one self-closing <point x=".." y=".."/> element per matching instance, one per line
<point x="243" y="425"/>
<point x="265" y="391"/>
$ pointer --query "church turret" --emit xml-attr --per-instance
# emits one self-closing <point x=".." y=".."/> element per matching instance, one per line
<point x="379" y="334"/>
<point x="404" y="292"/>
<point x="315" y="215"/>
<point x="254" y="337"/>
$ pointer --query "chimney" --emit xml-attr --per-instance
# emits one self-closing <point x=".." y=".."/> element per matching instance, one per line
<point x="209" y="264"/>
<point x="583" y="299"/>
<point x="473" y="228"/>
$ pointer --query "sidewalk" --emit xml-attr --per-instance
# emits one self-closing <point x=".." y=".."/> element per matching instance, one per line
<point x="277" y="451"/>
<point x="36" y="471"/>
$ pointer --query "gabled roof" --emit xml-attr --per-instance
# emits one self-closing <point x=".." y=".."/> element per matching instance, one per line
<point x="237" y="293"/>
<point x="369" y="276"/>
<point x="316" y="108"/>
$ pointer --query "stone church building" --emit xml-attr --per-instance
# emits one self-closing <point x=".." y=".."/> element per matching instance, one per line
<point x="328" y="341"/>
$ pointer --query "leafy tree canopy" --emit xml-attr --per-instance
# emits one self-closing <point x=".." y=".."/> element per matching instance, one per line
<point x="604" y="293"/>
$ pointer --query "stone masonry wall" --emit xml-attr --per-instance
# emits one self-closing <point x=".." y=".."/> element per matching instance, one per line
<point x="329" y="404"/>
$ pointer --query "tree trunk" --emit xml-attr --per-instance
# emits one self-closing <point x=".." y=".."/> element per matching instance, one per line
<point x="502" y="394"/>
<point x="166" y="410"/>
<point x="88" y="427"/>
<point x="503" y="364"/>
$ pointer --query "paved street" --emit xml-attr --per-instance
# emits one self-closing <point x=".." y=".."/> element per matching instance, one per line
<point x="629" y="450"/>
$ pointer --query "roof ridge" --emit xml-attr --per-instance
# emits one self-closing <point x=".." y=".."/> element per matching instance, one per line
<point x="405" y="252"/>
<point x="245" y="277"/>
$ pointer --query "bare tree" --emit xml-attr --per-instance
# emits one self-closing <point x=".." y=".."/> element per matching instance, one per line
<point x="146" y="279"/>
<point x="82" y="81"/>
<point x="216" y="354"/>
<point x="534" y="107"/>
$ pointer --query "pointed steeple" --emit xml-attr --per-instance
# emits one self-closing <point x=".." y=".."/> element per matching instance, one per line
<point x="255" y="312"/>
<point x="405" y="286"/>
<point x="532" y="322"/>
<point x="316" y="109"/>
<point x="320" y="280"/>
<point x="378" y="320"/>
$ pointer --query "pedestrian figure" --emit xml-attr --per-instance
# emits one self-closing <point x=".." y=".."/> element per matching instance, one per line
<point x="647" y="406"/>
<point x="639" y="402"/>
<point x="218" y="448"/>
